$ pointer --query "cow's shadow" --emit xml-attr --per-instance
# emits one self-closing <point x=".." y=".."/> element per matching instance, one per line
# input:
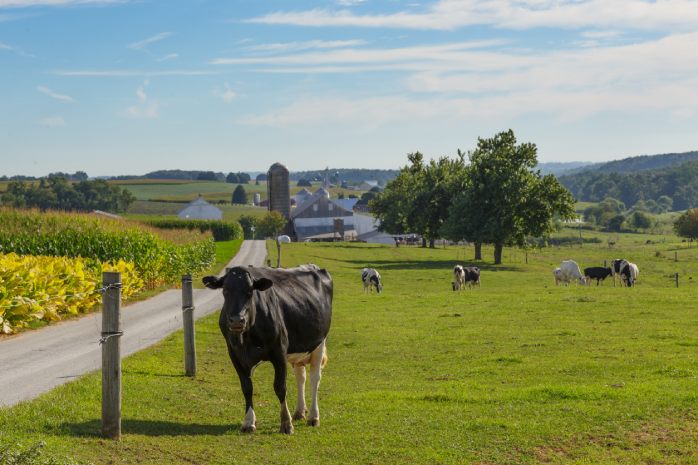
<point x="93" y="428"/>
<point x="381" y="265"/>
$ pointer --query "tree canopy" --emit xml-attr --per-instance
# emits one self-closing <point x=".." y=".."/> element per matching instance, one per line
<point x="239" y="195"/>
<point x="687" y="224"/>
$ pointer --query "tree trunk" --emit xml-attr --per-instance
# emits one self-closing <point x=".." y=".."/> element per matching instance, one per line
<point x="498" y="253"/>
<point x="432" y="243"/>
<point x="478" y="251"/>
<point x="424" y="243"/>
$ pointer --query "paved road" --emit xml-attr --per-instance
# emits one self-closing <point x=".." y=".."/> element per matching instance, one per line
<point x="36" y="361"/>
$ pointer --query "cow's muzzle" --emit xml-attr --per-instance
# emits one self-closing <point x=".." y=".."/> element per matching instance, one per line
<point x="236" y="326"/>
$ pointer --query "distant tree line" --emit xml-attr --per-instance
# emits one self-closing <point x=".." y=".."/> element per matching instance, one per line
<point x="497" y="198"/>
<point x="612" y="215"/>
<point x="77" y="176"/>
<point x="677" y="185"/>
<point x="57" y="193"/>
<point x="238" y="178"/>
<point x="346" y="175"/>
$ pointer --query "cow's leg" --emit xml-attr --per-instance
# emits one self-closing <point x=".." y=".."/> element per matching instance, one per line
<point x="279" y="363"/>
<point x="299" y="371"/>
<point x="317" y="360"/>
<point x="245" y="375"/>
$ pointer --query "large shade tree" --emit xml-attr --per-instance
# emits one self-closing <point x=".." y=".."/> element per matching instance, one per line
<point x="504" y="200"/>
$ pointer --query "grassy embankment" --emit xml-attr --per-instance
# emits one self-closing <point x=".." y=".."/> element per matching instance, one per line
<point x="519" y="371"/>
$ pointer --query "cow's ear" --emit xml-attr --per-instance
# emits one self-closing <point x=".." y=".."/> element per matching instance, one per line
<point x="213" y="282"/>
<point x="262" y="284"/>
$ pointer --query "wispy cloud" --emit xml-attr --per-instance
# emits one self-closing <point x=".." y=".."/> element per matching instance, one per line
<point x="170" y="56"/>
<point x="15" y="50"/>
<point x="141" y="44"/>
<point x="145" y="108"/>
<point x="350" y="2"/>
<point x="131" y="73"/>
<point x="226" y="94"/>
<point x="30" y="3"/>
<point x="305" y="45"/>
<point x="46" y="91"/>
<point x="53" y="121"/>
<point x="512" y="14"/>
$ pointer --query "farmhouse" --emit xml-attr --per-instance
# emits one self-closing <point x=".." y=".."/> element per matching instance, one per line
<point x="200" y="209"/>
<point x="320" y="218"/>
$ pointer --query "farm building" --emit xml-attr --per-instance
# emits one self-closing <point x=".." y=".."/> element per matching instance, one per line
<point x="320" y="218"/>
<point x="200" y="209"/>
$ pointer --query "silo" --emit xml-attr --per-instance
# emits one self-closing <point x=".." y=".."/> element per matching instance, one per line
<point x="278" y="189"/>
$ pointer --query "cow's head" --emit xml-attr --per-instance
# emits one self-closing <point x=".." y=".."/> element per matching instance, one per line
<point x="238" y="286"/>
<point x="377" y="282"/>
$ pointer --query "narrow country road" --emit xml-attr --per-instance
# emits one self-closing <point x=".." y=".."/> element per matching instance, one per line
<point x="36" y="361"/>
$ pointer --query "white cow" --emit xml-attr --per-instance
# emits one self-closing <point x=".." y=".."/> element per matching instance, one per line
<point x="458" y="278"/>
<point x="628" y="273"/>
<point x="571" y="272"/>
<point x="557" y="272"/>
<point x="371" y="279"/>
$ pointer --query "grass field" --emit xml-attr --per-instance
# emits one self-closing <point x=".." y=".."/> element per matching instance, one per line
<point x="516" y="372"/>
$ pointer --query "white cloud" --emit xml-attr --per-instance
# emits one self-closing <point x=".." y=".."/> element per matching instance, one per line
<point x="141" y="44"/>
<point x="131" y="73"/>
<point x="46" y="91"/>
<point x="145" y="108"/>
<point x="350" y="2"/>
<point x="170" y="56"/>
<point x="511" y="14"/>
<point x="53" y="121"/>
<point x="227" y="94"/>
<point x="30" y="3"/>
<point x="306" y="45"/>
<point x="16" y="50"/>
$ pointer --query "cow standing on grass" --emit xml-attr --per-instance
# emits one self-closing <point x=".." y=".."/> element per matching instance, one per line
<point x="276" y="315"/>
<point x="371" y="279"/>
<point x="628" y="273"/>
<point x="472" y="276"/>
<point x="570" y="271"/>
<point x="458" y="282"/>
<point x="599" y="273"/>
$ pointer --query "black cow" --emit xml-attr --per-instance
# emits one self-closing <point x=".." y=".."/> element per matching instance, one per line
<point x="277" y="315"/>
<point x="472" y="275"/>
<point x="599" y="273"/>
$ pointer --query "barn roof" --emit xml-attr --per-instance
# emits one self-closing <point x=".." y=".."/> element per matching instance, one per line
<point x="200" y="209"/>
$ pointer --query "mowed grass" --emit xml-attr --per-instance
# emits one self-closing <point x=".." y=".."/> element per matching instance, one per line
<point x="518" y="371"/>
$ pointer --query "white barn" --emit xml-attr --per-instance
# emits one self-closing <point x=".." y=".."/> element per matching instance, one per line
<point x="200" y="209"/>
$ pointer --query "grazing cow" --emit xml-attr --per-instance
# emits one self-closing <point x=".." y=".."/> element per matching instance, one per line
<point x="599" y="273"/>
<point x="371" y="278"/>
<point x="628" y="273"/>
<point x="276" y="315"/>
<point x="458" y="278"/>
<point x="570" y="271"/>
<point x="615" y="269"/>
<point x="557" y="273"/>
<point x="472" y="275"/>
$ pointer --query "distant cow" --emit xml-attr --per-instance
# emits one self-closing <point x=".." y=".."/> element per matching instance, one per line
<point x="570" y="272"/>
<point x="277" y="315"/>
<point x="472" y="275"/>
<point x="628" y="273"/>
<point x="557" y="273"/>
<point x="458" y="278"/>
<point x="615" y="269"/>
<point x="371" y="279"/>
<point x="599" y="273"/>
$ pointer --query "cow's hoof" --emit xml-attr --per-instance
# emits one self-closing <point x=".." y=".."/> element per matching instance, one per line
<point x="248" y="429"/>
<point x="314" y="422"/>
<point x="286" y="428"/>
<point x="298" y="415"/>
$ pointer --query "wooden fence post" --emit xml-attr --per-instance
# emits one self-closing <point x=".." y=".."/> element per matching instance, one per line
<point x="188" y="321"/>
<point x="676" y="256"/>
<point x="677" y="280"/>
<point x="111" y="355"/>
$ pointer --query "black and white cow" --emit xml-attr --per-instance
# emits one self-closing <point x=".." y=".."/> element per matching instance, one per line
<point x="276" y="315"/>
<point x="458" y="282"/>
<point x="615" y="269"/>
<point x="472" y="275"/>
<point x="599" y="273"/>
<point x="371" y="279"/>
<point x="628" y="273"/>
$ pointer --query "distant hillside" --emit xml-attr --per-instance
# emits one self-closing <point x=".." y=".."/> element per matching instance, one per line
<point x="677" y="181"/>
<point x="640" y="163"/>
<point x="560" y="168"/>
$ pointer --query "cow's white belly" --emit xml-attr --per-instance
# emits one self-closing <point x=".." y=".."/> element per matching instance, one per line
<point x="298" y="359"/>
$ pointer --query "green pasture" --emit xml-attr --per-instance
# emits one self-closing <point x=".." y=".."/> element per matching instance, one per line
<point x="145" y="210"/>
<point x="518" y="371"/>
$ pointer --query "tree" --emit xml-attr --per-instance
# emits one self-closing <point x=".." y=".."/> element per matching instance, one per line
<point x="502" y="200"/>
<point x="239" y="195"/>
<point x="304" y="183"/>
<point x="665" y="202"/>
<point x="686" y="225"/>
<point x="271" y="225"/>
<point x="248" y="222"/>
<point x="641" y="220"/>
<point x="232" y="178"/>
<point x="615" y="224"/>
<point x="206" y="176"/>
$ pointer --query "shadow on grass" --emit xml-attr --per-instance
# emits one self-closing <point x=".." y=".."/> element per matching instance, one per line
<point x="148" y="373"/>
<point x="428" y="265"/>
<point x="93" y="428"/>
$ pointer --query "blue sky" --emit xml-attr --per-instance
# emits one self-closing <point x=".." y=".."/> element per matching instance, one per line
<point x="125" y="87"/>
